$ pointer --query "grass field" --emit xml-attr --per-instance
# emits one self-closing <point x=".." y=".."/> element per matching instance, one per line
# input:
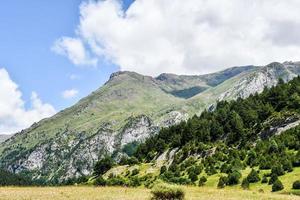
<point x="119" y="193"/>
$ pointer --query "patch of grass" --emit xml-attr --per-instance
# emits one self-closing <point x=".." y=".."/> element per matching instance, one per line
<point x="117" y="193"/>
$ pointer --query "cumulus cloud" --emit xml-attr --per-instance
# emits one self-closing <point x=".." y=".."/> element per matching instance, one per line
<point x="13" y="115"/>
<point x="189" y="37"/>
<point x="74" y="49"/>
<point x="68" y="94"/>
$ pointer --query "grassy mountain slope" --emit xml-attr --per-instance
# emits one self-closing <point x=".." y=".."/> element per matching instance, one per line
<point x="250" y="143"/>
<point x="129" y="107"/>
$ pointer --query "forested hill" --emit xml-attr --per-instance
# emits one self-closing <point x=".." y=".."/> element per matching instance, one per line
<point x="237" y="123"/>
<point x="245" y="141"/>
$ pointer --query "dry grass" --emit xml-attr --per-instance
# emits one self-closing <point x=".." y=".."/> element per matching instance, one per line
<point x="118" y="193"/>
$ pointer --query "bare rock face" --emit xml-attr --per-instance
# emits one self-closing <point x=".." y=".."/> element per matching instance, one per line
<point x="255" y="82"/>
<point x="138" y="129"/>
<point x="173" y="117"/>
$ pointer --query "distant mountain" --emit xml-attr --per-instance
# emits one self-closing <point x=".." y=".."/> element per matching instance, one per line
<point x="127" y="109"/>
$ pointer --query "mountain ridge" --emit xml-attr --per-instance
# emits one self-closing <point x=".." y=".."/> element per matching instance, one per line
<point x="128" y="108"/>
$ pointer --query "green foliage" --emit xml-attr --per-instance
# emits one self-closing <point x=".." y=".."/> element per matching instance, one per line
<point x="273" y="179"/>
<point x="277" y="186"/>
<point x="253" y="176"/>
<point x="103" y="165"/>
<point x="245" y="184"/>
<point x="202" y="181"/>
<point x="264" y="179"/>
<point x="167" y="192"/>
<point x="100" y="181"/>
<point x="163" y="169"/>
<point x="223" y="181"/>
<point x="193" y="177"/>
<point x="135" y="172"/>
<point x="116" y="181"/>
<point x="128" y="160"/>
<point x="233" y="178"/>
<point x="134" y="181"/>
<point x="278" y="170"/>
<point x="8" y="178"/>
<point x="296" y="184"/>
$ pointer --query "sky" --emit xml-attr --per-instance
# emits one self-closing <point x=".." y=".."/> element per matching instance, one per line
<point x="52" y="53"/>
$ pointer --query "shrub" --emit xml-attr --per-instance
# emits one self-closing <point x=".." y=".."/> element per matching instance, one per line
<point x="273" y="178"/>
<point x="264" y="179"/>
<point x="103" y="165"/>
<point x="222" y="182"/>
<point x="100" y="181"/>
<point x="163" y="169"/>
<point x="135" y="172"/>
<point x="277" y="186"/>
<point x="287" y="166"/>
<point x="296" y="185"/>
<point x="202" y="181"/>
<point x="193" y="177"/>
<point x="116" y="181"/>
<point x="167" y="192"/>
<point x="253" y="176"/>
<point x="134" y="181"/>
<point x="278" y="170"/>
<point x="198" y="169"/>
<point x="233" y="178"/>
<point x="245" y="184"/>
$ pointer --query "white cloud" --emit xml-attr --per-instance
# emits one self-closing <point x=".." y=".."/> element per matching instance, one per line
<point x="74" y="77"/>
<point x="74" y="49"/>
<point x="13" y="115"/>
<point x="188" y="37"/>
<point x="67" y="94"/>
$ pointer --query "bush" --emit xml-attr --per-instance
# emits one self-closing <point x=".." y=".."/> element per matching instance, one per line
<point x="278" y="170"/>
<point x="233" y="178"/>
<point x="116" y="181"/>
<point x="198" y="170"/>
<point x="202" y="181"/>
<point x="167" y="192"/>
<point x="163" y="169"/>
<point x="222" y="182"/>
<point x="253" y="176"/>
<point x="296" y="185"/>
<point x="135" y="172"/>
<point x="103" y="165"/>
<point x="100" y="181"/>
<point x="264" y="179"/>
<point x="287" y="166"/>
<point x="134" y="181"/>
<point x="277" y="186"/>
<point x="193" y="177"/>
<point x="245" y="184"/>
<point x="273" y="178"/>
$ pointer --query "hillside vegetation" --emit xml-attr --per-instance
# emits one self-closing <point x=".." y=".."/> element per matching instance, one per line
<point x="251" y="143"/>
<point x="124" y="112"/>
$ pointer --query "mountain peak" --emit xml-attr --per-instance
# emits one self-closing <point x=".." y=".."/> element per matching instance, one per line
<point x="119" y="73"/>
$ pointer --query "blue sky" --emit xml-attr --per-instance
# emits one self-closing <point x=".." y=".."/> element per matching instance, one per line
<point x="44" y="43"/>
<point x="28" y="29"/>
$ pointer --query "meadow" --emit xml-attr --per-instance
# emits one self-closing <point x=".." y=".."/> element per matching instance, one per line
<point x="121" y="193"/>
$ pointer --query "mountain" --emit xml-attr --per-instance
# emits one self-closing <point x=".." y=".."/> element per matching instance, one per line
<point x="127" y="109"/>
<point x="251" y="142"/>
<point x="4" y="137"/>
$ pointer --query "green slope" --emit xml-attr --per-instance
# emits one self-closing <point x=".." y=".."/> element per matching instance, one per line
<point x="129" y="107"/>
